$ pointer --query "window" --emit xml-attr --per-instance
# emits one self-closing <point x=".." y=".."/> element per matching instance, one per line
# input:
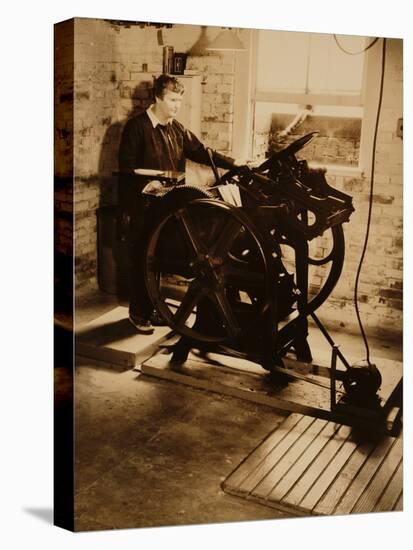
<point x="305" y="82"/>
<point x="307" y="63"/>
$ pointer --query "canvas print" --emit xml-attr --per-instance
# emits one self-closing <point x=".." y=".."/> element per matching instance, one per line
<point x="228" y="274"/>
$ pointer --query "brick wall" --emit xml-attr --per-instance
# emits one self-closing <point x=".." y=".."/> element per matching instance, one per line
<point x="63" y="165"/>
<point x="381" y="280"/>
<point x="109" y="87"/>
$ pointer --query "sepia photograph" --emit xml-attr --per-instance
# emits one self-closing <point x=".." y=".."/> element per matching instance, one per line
<point x="228" y="274"/>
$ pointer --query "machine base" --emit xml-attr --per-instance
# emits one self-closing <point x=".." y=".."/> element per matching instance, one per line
<point x="308" y="394"/>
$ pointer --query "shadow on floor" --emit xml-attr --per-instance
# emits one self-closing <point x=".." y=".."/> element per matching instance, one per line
<point x="45" y="514"/>
<point x="106" y="334"/>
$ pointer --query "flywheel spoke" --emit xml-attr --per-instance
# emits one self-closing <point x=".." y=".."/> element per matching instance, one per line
<point x="228" y="235"/>
<point x="226" y="313"/>
<point x="188" y="303"/>
<point x="191" y="232"/>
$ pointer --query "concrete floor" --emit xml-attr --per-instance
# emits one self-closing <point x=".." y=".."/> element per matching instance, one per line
<point x="153" y="453"/>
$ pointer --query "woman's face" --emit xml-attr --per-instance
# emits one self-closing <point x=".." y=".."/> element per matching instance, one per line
<point x="170" y="104"/>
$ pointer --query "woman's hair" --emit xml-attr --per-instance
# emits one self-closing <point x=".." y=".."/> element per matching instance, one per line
<point x="167" y="82"/>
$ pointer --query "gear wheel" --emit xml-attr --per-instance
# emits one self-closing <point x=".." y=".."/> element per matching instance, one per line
<point x="171" y="200"/>
<point x="187" y="192"/>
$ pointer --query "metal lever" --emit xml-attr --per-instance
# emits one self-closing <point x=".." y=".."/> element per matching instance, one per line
<point x="214" y="168"/>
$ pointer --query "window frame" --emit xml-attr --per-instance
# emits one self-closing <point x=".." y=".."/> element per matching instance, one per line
<point x="246" y="96"/>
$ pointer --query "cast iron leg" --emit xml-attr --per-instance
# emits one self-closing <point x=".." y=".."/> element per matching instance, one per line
<point x="180" y="351"/>
<point x="302" y="350"/>
<point x="270" y="358"/>
<point x="301" y="347"/>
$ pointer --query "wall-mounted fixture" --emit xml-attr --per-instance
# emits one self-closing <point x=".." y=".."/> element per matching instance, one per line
<point x="227" y="41"/>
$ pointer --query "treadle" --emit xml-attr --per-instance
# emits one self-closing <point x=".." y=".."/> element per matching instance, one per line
<point x="313" y="467"/>
<point x="246" y="380"/>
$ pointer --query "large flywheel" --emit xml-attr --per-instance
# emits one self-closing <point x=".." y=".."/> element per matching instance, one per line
<point x="207" y="269"/>
<point x="324" y="254"/>
<point x="325" y="259"/>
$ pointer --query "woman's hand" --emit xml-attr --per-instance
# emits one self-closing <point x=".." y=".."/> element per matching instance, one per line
<point x="240" y="162"/>
<point x="152" y="187"/>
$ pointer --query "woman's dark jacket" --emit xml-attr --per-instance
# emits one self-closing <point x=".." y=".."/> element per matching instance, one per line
<point x="163" y="147"/>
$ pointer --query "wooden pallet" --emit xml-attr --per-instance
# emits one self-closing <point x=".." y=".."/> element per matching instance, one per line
<point x="311" y="466"/>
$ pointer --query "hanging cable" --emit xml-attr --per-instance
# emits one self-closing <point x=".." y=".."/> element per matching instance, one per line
<point x="366" y="239"/>
<point x="354" y="53"/>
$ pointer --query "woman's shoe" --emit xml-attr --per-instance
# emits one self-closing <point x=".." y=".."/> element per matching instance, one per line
<point x="143" y="326"/>
<point x="156" y="320"/>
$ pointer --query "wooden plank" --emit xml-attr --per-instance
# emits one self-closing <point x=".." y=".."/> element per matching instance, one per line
<point x="82" y="361"/>
<point x="255" y="458"/>
<point x="111" y="338"/>
<point x="393" y="419"/>
<point x="391" y="372"/>
<point x="301" y="465"/>
<point x="275" y="455"/>
<point x="329" y="475"/>
<point x="378" y="482"/>
<point x="363" y="477"/>
<point x="282" y="467"/>
<point x="345" y="477"/>
<point x="300" y="489"/>
<point x="119" y="357"/>
<point x="391" y="494"/>
<point x="258" y="388"/>
<point x="298" y="391"/>
<point x="398" y="507"/>
<point x="255" y="386"/>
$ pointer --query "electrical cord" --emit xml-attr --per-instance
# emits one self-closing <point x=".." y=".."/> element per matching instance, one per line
<point x="366" y="238"/>
<point x="354" y="53"/>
